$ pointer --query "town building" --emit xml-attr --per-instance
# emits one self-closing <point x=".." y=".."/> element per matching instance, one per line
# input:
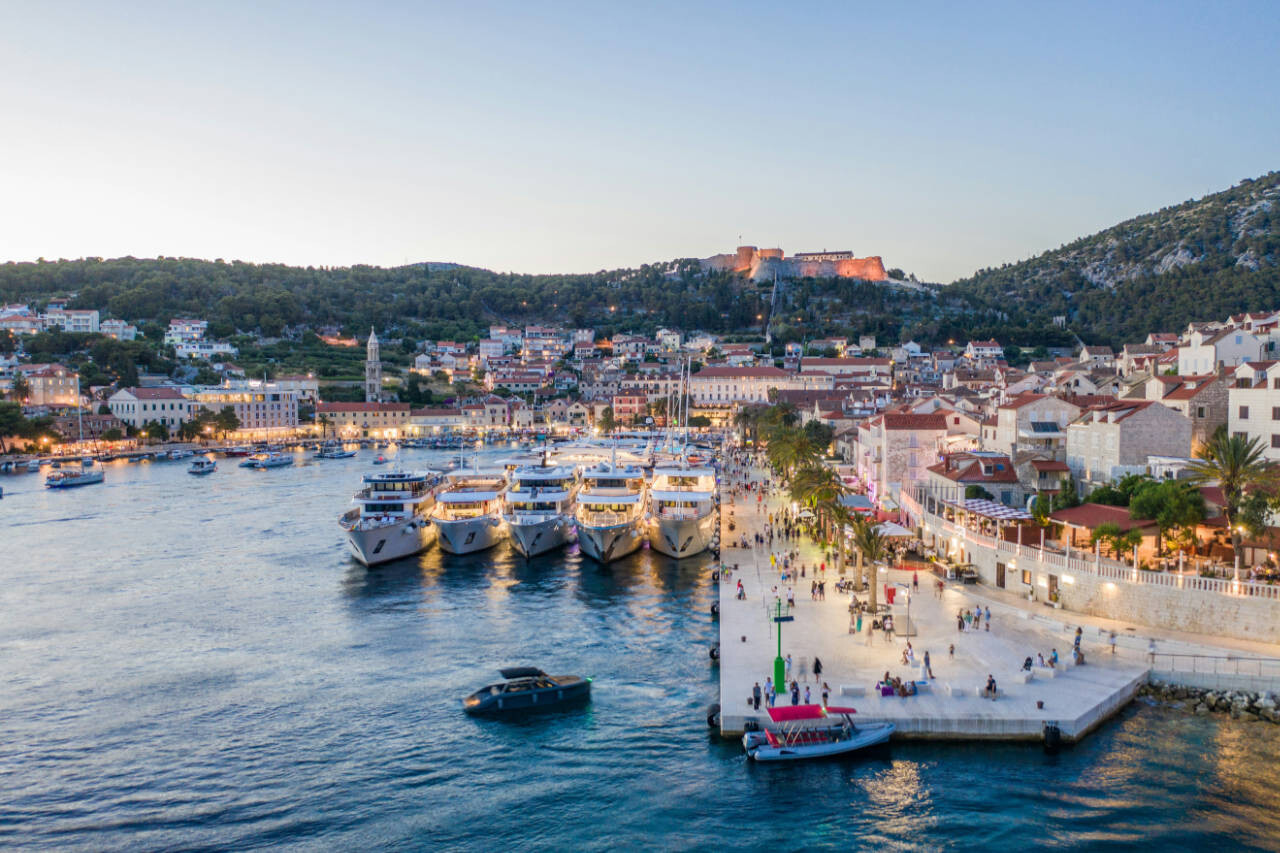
<point x="50" y="385"/>
<point x="364" y="420"/>
<point x="1108" y="441"/>
<point x="164" y="404"/>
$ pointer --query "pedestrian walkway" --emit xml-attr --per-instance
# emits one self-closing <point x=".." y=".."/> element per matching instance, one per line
<point x="949" y="705"/>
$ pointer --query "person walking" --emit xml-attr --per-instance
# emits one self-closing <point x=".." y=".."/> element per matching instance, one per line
<point x="806" y="695"/>
<point x="826" y="691"/>
<point x="928" y="667"/>
<point x="795" y="693"/>
<point x="755" y="696"/>
<point x="817" y="669"/>
<point x="788" y="672"/>
<point x="915" y="581"/>
<point x="1112" y="640"/>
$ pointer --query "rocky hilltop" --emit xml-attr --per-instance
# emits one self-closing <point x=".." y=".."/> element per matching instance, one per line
<point x="765" y="264"/>
<point x="1206" y="257"/>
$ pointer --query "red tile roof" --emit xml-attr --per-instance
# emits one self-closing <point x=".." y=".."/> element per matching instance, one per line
<point x="1091" y="516"/>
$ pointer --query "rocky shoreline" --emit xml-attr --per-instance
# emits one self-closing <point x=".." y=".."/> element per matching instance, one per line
<point x="1239" y="704"/>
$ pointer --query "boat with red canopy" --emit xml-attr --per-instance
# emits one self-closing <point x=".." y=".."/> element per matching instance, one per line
<point x="794" y="738"/>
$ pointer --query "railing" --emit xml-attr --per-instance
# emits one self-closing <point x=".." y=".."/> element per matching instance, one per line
<point x="1241" y="665"/>
<point x="1094" y="564"/>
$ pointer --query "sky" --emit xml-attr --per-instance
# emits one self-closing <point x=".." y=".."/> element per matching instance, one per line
<point x="574" y="137"/>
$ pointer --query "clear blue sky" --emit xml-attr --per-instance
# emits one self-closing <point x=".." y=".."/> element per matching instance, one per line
<point x="573" y="137"/>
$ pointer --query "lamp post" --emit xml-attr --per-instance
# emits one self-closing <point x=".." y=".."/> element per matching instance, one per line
<point x="779" y="665"/>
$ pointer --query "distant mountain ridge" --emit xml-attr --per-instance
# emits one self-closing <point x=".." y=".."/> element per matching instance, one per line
<point x="1193" y="261"/>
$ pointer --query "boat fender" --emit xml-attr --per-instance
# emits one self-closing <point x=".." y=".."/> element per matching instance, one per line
<point x="715" y="608"/>
<point x="713" y="715"/>
<point x="1052" y="737"/>
<point x="715" y="652"/>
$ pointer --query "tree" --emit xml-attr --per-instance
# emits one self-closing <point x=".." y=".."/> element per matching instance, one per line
<point x="1238" y="465"/>
<point x="11" y="422"/>
<point x="226" y="421"/>
<point x="1119" y="541"/>
<point x="156" y="431"/>
<point x="113" y="434"/>
<point x="976" y="491"/>
<point x="21" y="388"/>
<point x="607" y="421"/>
<point x="324" y="422"/>
<point x="1173" y="505"/>
<point x="819" y="434"/>
<point x="870" y="545"/>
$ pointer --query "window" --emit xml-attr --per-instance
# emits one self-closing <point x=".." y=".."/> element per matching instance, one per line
<point x="1199" y="411"/>
<point x="1275" y="413"/>
<point x="1244" y="413"/>
<point x="1026" y="576"/>
<point x="1242" y="436"/>
<point x="1275" y="440"/>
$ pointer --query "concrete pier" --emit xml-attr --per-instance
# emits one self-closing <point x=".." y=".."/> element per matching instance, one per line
<point x="1076" y="699"/>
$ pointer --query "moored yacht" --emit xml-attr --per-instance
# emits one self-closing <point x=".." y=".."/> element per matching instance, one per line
<point x="468" y="512"/>
<point x="681" y="520"/>
<point x="270" y="459"/>
<point x="610" y="511"/>
<point x="391" y="518"/>
<point x="538" y="507"/>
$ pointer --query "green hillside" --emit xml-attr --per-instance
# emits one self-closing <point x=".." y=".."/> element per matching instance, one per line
<point x="1200" y="260"/>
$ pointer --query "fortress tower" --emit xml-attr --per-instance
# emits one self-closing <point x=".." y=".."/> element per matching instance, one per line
<point x="372" y="371"/>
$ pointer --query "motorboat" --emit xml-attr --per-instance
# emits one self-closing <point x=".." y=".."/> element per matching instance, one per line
<point x="73" y="477"/>
<point x="391" y="518"/>
<point x="528" y="688"/>
<point x="334" y="450"/>
<point x="609" y="513"/>
<point x="381" y="460"/>
<point x="270" y="459"/>
<point x="468" y="511"/>
<point x="682" y="516"/>
<point x="201" y="467"/>
<point x="538" y="507"/>
<point x="180" y="454"/>
<point x="794" y="739"/>
<point x="236" y="452"/>
<point x="87" y="462"/>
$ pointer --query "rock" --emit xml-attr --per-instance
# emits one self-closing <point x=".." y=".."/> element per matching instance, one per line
<point x="1249" y="717"/>
<point x="1202" y="709"/>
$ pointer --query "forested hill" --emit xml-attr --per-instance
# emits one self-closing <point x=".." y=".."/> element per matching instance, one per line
<point x="431" y="300"/>
<point x="1200" y="260"/>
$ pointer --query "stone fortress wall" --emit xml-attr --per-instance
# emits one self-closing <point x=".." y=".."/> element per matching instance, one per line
<point x="763" y="264"/>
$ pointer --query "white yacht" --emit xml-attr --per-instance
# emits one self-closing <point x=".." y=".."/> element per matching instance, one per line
<point x="270" y="459"/>
<point x="539" y="507"/>
<point x="610" y="511"/>
<point x="682" y="516"/>
<point x="468" y="511"/>
<point x="391" y="518"/>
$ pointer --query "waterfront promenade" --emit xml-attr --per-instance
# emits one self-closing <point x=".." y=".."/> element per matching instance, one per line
<point x="1075" y="698"/>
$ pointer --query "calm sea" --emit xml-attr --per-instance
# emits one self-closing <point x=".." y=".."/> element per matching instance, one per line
<point x="194" y="663"/>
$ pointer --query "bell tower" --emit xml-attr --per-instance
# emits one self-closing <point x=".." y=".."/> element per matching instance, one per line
<point x="372" y="370"/>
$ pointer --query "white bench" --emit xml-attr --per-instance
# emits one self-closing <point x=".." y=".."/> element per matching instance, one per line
<point x="1047" y="671"/>
<point x="981" y="691"/>
<point x="853" y="690"/>
<point x="1022" y="676"/>
<point x="924" y="687"/>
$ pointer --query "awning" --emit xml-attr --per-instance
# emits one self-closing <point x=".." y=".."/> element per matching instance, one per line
<point x="465" y="497"/>
<point x="892" y="530"/>
<point x="993" y="510"/>
<point x="785" y="713"/>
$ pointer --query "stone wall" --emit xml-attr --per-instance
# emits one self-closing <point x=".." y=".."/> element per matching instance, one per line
<point x="763" y="264"/>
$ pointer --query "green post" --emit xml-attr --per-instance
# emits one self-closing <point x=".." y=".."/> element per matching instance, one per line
<point x="779" y="665"/>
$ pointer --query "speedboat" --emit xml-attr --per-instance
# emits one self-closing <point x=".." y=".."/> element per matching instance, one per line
<point x="202" y="467"/>
<point x="381" y="460"/>
<point x="235" y="452"/>
<point x="610" y="511"/>
<point x="528" y="688"/>
<point x="270" y="459"/>
<point x="682" y="515"/>
<point x="468" y="512"/>
<point x="391" y="518"/>
<point x="794" y="740"/>
<point x="538" y="509"/>
<point x="75" y="477"/>
<point x="334" y="450"/>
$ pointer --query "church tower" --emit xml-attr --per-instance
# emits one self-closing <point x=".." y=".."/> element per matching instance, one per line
<point x="372" y="371"/>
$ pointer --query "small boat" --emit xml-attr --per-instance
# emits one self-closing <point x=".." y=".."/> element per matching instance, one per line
<point x="87" y="462"/>
<point x="333" y="450"/>
<point x="526" y="688"/>
<point x="272" y="459"/>
<point x="235" y="452"/>
<point x="33" y="465"/>
<point x="381" y="460"/>
<point x="70" y="479"/>
<point x="202" y="466"/>
<point x="795" y="740"/>
<point x="180" y="454"/>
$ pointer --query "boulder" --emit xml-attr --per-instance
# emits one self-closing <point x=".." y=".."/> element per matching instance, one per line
<point x="1202" y="709"/>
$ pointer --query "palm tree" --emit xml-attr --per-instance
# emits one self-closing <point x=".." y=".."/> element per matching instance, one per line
<point x="791" y="450"/>
<point x="1238" y="465"/>
<point x="870" y="544"/>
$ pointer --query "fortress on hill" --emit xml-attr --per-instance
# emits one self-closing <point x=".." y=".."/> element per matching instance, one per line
<point x="763" y="264"/>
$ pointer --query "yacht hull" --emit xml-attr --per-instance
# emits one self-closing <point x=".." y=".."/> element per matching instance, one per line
<point x="682" y="537"/>
<point x="469" y="535"/>
<point x="391" y="542"/>
<point x="606" y="544"/>
<point x="538" y="537"/>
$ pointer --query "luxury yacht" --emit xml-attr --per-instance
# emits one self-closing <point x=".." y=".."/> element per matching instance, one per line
<point x="468" y="511"/>
<point x="682" y="516"/>
<point x="539" y="507"/>
<point x="391" y="518"/>
<point x="610" y="511"/>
